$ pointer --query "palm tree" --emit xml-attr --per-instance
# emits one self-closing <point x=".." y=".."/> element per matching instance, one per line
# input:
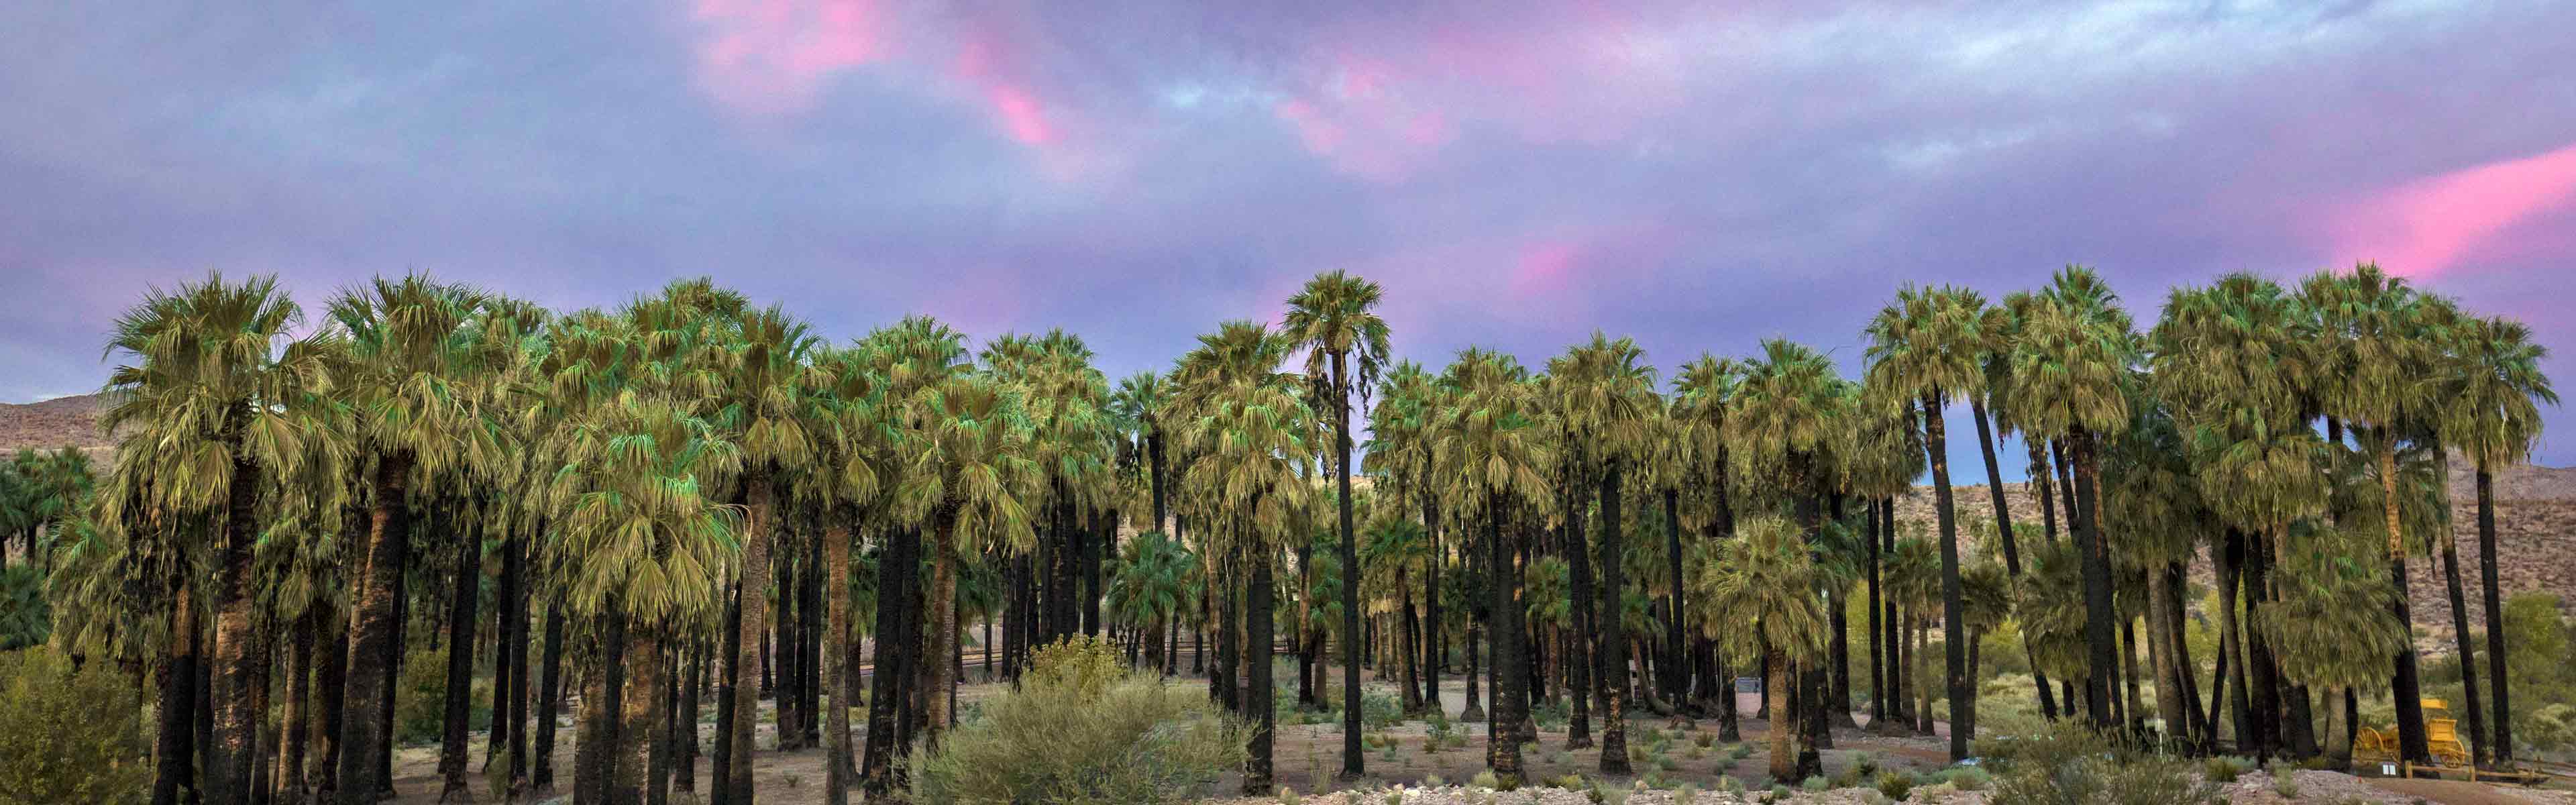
<point x="1881" y="456"/>
<point x="1400" y="450"/>
<point x="222" y="389"/>
<point x="2490" y="412"/>
<point x="1703" y="394"/>
<point x="1788" y="409"/>
<point x="1396" y="544"/>
<point x="1494" y="440"/>
<point x="1331" y="319"/>
<point x="2378" y="363"/>
<point x="646" y="541"/>
<point x="1246" y="424"/>
<point x="911" y="355"/>
<point x="967" y="471"/>
<point x="2072" y="370"/>
<point x="1767" y="578"/>
<point x="1924" y="347"/>
<point x="2333" y="627"/>
<point x="1153" y="583"/>
<point x="1140" y="399"/>
<point x="1607" y="406"/>
<point x="858" y="437"/>
<point x="410" y="379"/>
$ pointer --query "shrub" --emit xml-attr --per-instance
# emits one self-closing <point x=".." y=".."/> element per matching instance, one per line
<point x="2068" y="763"/>
<point x="1082" y="731"/>
<point x="420" y="704"/>
<point x="1895" y="784"/>
<point x="2285" y="781"/>
<point x="1288" y="796"/>
<point x="1484" y="779"/>
<point x="1434" y="781"/>
<point x="69" y="737"/>
<point x="1703" y="740"/>
<point x="2225" y="769"/>
<point x="1779" y="793"/>
<point x="1380" y="711"/>
<point x="1967" y="778"/>
<point x="1740" y="751"/>
<point x="1815" y="784"/>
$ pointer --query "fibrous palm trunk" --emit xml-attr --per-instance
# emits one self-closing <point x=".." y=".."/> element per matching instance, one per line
<point x="752" y="630"/>
<point x="1775" y="692"/>
<point x="1676" y="667"/>
<point x="228" y="770"/>
<point x="541" y="770"/>
<point x="330" y="676"/>
<point x="452" y="747"/>
<point x="1353" y="765"/>
<point x="837" y="771"/>
<point x="173" y="773"/>
<point x="1262" y="713"/>
<point x="2098" y="620"/>
<point x="941" y="647"/>
<point x="292" y="717"/>
<point x="639" y="705"/>
<point x="374" y="635"/>
<point x="1503" y="751"/>
<point x="1612" y="629"/>
<point x="2494" y="614"/>
<point x="1577" y="651"/>
<point x="897" y="567"/>
<point x="1953" y="621"/>
<point x="2408" y="686"/>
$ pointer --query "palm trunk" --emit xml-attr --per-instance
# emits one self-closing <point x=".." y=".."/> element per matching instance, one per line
<point x="374" y="632"/>
<point x="228" y="770"/>
<point x="331" y="676"/>
<point x="1676" y="666"/>
<point x="1411" y="646"/>
<point x="837" y="771"/>
<point x="2098" y="619"/>
<point x="942" y="645"/>
<point x="292" y="716"/>
<point x="541" y="771"/>
<point x="173" y="773"/>
<point x="2160" y="654"/>
<point x="2408" y="687"/>
<point x="1775" y="696"/>
<point x="1503" y="750"/>
<point x="452" y="747"/>
<point x="895" y="571"/>
<point x="2479" y="749"/>
<point x="693" y="682"/>
<point x="1577" y="657"/>
<point x="1353" y="765"/>
<point x="752" y="630"/>
<point x="516" y="650"/>
<point x="1262" y="713"/>
<point x="1953" y="622"/>
<point x="2495" y="615"/>
<point x="1611" y="627"/>
<point x="1878" y="655"/>
<point x="642" y="696"/>
<point x="1431" y="644"/>
<point x="2338" y="736"/>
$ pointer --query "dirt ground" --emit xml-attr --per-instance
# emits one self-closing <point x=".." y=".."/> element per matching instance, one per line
<point x="1308" y="755"/>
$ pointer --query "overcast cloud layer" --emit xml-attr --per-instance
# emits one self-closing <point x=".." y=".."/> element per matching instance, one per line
<point x="1699" y="176"/>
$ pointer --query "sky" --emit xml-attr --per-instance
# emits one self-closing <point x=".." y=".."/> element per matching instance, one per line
<point x="1699" y="176"/>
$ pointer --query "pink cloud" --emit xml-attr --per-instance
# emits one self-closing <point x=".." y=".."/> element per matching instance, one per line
<point x="2428" y="226"/>
<point x="770" y="57"/>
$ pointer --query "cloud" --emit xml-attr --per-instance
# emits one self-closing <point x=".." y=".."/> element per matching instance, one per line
<point x="771" y="57"/>
<point x="2429" y="226"/>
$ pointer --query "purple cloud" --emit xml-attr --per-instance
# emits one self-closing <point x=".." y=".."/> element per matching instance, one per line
<point x="1699" y="176"/>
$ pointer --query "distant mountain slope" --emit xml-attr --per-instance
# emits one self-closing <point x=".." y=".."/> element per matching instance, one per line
<point x="59" y="422"/>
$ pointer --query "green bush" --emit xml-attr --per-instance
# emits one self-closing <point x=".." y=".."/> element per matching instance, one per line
<point x="1896" y="784"/>
<point x="420" y="703"/>
<point x="2225" y="769"/>
<point x="1815" y="784"/>
<point x="2069" y="764"/>
<point x="1080" y="732"/>
<point x="69" y="737"/>
<point x="1967" y="778"/>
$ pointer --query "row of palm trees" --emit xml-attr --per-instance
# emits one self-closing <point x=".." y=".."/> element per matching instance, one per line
<point x="688" y="494"/>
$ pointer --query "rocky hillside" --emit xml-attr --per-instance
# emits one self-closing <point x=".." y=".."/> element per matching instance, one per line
<point x="59" y="422"/>
<point x="2535" y="536"/>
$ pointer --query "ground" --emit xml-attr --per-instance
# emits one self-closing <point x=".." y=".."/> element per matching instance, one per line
<point x="1308" y="755"/>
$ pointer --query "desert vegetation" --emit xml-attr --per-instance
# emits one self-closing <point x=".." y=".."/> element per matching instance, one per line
<point x="427" y="512"/>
